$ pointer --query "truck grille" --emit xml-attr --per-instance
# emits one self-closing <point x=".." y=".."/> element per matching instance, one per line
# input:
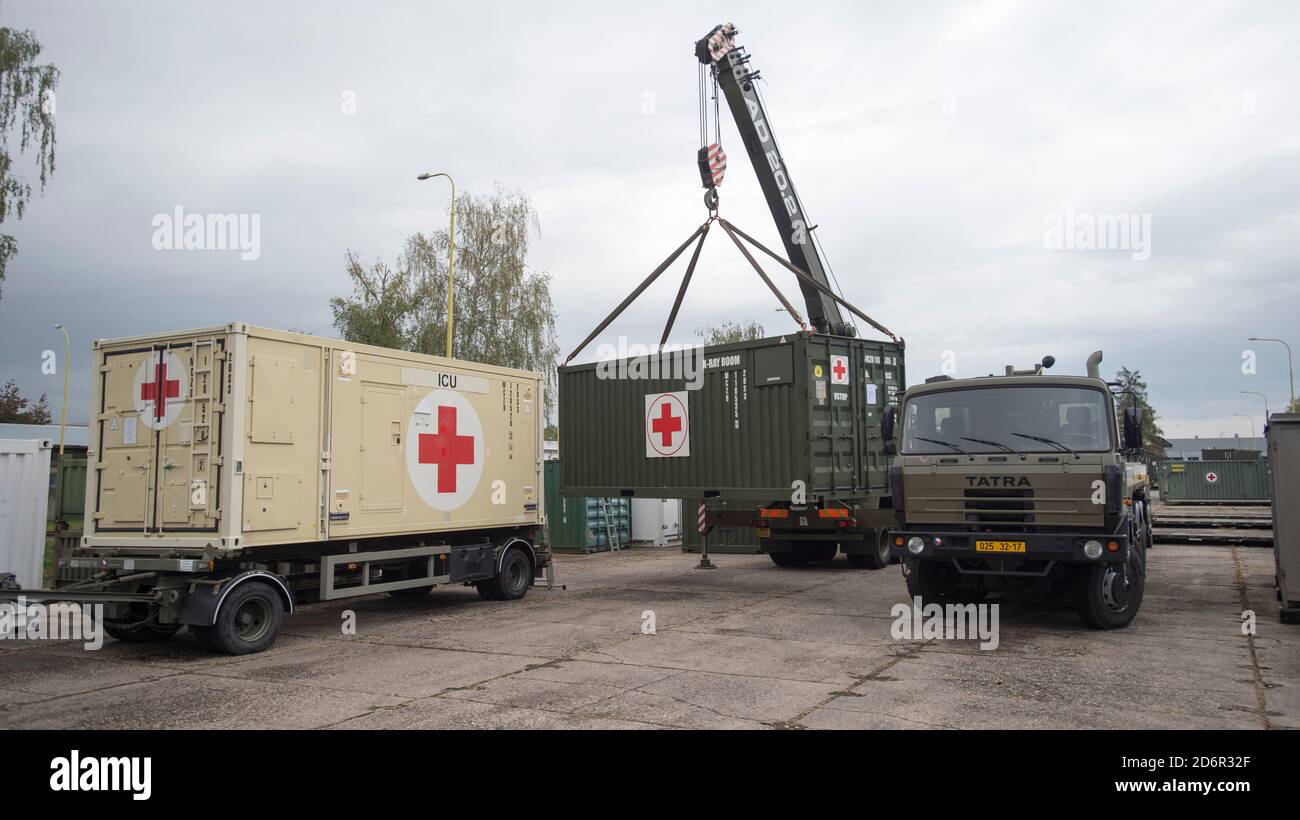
<point x="989" y="506"/>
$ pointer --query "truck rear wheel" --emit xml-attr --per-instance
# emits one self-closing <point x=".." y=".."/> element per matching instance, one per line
<point x="512" y="582"/>
<point x="877" y="558"/>
<point x="1107" y="596"/>
<point x="249" y="620"/>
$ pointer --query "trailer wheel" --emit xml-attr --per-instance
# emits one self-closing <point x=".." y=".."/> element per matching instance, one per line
<point x="141" y="632"/>
<point x="1107" y="596"/>
<point x="512" y="582"/>
<point x="877" y="558"/>
<point x="249" y="620"/>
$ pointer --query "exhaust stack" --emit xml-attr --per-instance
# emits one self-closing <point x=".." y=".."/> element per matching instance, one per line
<point x="1094" y="365"/>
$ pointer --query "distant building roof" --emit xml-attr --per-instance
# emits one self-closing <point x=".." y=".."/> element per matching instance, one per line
<point x="1192" y="447"/>
<point x="75" y="437"/>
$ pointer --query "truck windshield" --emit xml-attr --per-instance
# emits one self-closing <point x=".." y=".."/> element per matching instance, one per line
<point x="1026" y="419"/>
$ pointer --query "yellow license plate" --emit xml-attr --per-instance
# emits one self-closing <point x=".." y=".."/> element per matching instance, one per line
<point x="763" y="532"/>
<point x="999" y="546"/>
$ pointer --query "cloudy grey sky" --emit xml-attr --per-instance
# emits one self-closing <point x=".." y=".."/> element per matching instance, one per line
<point x="933" y="143"/>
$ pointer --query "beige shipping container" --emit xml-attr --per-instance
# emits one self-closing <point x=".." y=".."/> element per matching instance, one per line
<point x="235" y="471"/>
<point x="236" y="438"/>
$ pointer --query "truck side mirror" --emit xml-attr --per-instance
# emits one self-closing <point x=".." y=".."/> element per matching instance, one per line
<point x="1132" y="428"/>
<point x="887" y="429"/>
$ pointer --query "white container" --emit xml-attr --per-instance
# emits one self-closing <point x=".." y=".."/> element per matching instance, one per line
<point x="24" y="496"/>
<point x="657" y="521"/>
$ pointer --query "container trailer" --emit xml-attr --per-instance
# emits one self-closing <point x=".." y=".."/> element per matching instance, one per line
<point x="791" y="424"/>
<point x="236" y="470"/>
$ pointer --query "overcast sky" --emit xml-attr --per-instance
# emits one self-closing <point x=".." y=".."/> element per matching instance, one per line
<point x="934" y="144"/>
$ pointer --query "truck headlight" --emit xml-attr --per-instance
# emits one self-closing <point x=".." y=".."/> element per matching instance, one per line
<point x="915" y="545"/>
<point x="1092" y="549"/>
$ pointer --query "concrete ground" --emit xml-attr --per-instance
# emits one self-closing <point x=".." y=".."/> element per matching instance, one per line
<point x="747" y="645"/>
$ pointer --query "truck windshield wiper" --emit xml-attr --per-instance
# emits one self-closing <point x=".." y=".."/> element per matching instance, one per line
<point x="944" y="443"/>
<point x="991" y="443"/>
<point x="1048" y="441"/>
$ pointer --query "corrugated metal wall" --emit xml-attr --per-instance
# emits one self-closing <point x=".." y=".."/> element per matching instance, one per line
<point x="69" y="489"/>
<point x="1222" y="482"/>
<point x="1284" y="454"/>
<point x="24" y="498"/>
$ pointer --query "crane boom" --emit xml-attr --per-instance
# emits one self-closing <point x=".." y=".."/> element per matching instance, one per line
<point x="730" y="66"/>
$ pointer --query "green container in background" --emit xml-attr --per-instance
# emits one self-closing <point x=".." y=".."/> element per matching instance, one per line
<point x="576" y="524"/>
<point x="67" y="490"/>
<point x="722" y="540"/>
<point x="1215" y="482"/>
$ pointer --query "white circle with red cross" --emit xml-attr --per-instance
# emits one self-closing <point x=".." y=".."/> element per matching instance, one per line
<point x="667" y="425"/>
<point x="161" y="386"/>
<point x="1211" y="477"/>
<point x="444" y="449"/>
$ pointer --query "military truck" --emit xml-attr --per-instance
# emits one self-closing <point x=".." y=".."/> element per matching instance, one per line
<point x="1008" y="482"/>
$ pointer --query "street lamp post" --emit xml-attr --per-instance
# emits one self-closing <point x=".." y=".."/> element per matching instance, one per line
<point x="451" y="251"/>
<point x="1290" y="368"/>
<point x="1262" y="396"/>
<point x="67" y="367"/>
<point x="1252" y="423"/>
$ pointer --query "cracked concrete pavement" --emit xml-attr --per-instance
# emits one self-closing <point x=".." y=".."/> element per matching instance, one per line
<point x="746" y="646"/>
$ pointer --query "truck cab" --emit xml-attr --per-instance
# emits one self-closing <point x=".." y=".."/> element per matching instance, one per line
<point x="1003" y="483"/>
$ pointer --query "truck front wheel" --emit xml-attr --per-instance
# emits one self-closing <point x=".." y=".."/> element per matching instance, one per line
<point x="512" y="582"/>
<point x="1107" y="596"/>
<point x="249" y="620"/>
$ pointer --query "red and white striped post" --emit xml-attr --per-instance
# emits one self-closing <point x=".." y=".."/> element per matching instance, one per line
<point x="702" y="521"/>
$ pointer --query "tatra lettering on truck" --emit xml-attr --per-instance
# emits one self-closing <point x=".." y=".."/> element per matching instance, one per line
<point x="231" y="477"/>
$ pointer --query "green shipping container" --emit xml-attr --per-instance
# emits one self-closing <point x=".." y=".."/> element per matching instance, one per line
<point x="720" y="539"/>
<point x="576" y="524"/>
<point x="734" y="421"/>
<point x="1215" y="482"/>
<point x="67" y="490"/>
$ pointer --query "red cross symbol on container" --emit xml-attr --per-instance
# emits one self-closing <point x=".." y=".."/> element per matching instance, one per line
<point x="1211" y="477"/>
<point x="160" y="390"/>
<point x="666" y="424"/>
<point x="839" y="369"/>
<point x="446" y="449"/>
